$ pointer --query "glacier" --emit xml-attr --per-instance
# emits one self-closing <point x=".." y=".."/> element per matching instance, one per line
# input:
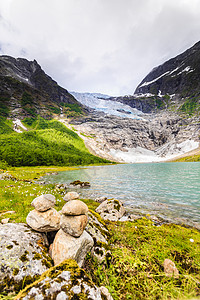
<point x="102" y="103"/>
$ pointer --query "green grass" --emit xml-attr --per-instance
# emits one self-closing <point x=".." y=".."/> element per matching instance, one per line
<point x="138" y="252"/>
<point x="17" y="195"/>
<point x="48" y="143"/>
<point x="138" y="248"/>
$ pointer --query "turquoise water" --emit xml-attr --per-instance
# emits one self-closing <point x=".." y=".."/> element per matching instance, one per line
<point x="169" y="190"/>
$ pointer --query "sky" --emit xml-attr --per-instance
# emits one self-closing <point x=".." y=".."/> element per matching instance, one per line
<point x="101" y="46"/>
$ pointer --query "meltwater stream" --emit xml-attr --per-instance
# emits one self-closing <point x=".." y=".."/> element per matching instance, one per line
<point x="168" y="190"/>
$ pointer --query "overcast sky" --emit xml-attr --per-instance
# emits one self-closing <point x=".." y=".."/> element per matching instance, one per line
<point x="105" y="46"/>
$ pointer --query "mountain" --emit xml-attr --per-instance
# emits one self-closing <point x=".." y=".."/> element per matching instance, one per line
<point x="174" y="85"/>
<point x="26" y="90"/>
<point x="178" y="76"/>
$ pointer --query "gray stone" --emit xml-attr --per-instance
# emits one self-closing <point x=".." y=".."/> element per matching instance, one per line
<point x="96" y="229"/>
<point x="66" y="246"/>
<point x="44" y="221"/>
<point x="73" y="225"/>
<point x="22" y="256"/>
<point x="61" y="287"/>
<point x="111" y="210"/>
<point x="71" y="196"/>
<point x="75" y="208"/>
<point x="44" y="202"/>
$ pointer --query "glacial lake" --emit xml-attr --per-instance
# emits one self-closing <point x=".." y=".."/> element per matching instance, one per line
<point x="167" y="190"/>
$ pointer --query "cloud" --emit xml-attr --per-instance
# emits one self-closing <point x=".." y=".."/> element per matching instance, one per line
<point x="103" y="46"/>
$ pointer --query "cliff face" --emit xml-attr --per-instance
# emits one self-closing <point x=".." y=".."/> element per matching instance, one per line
<point x="25" y="89"/>
<point x="179" y="75"/>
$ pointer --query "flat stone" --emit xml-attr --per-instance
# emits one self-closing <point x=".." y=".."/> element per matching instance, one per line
<point x="66" y="246"/>
<point x="44" y="221"/>
<point x="44" y="202"/>
<point x="73" y="225"/>
<point x="75" y="208"/>
<point x="71" y="196"/>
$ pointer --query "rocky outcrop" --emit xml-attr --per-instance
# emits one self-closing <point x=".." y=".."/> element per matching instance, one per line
<point x="62" y="282"/>
<point x="23" y="256"/>
<point x="170" y="268"/>
<point x="153" y="138"/>
<point x="111" y="210"/>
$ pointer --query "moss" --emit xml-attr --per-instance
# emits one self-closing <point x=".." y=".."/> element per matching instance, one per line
<point x="9" y="247"/>
<point x="15" y="271"/>
<point x="68" y="265"/>
<point x="24" y="257"/>
<point x="117" y="205"/>
<point x="46" y="263"/>
<point x="37" y="256"/>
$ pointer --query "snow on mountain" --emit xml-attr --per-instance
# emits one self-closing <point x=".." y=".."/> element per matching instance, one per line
<point x="101" y="102"/>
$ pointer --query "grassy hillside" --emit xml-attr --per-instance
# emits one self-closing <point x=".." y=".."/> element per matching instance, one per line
<point x="46" y="143"/>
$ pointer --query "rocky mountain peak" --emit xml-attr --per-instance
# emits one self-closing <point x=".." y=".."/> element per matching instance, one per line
<point x="179" y="75"/>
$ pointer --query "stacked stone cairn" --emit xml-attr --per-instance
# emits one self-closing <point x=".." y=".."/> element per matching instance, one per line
<point x="71" y="239"/>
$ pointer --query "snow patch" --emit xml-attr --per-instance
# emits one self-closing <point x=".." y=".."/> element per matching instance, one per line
<point x="187" y="70"/>
<point x="154" y="80"/>
<point x="166" y="152"/>
<point x="17" y="123"/>
<point x="140" y="95"/>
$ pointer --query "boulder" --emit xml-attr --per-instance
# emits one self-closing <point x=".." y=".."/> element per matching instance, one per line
<point x="111" y="210"/>
<point x="75" y="208"/>
<point x="44" y="221"/>
<point x="44" y="202"/>
<point x="66" y="246"/>
<point x="71" y="196"/>
<point x="23" y="256"/>
<point x="101" y="199"/>
<point x="62" y="282"/>
<point x="170" y="268"/>
<point x="73" y="225"/>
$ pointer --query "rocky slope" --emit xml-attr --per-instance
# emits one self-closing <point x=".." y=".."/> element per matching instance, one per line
<point x="169" y="98"/>
<point x="26" y="90"/>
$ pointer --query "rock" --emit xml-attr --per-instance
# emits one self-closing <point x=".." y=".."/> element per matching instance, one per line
<point x="101" y="199"/>
<point x="79" y="183"/>
<point x="5" y="221"/>
<point x="71" y="196"/>
<point x="111" y="210"/>
<point x="44" y="221"/>
<point x="170" y="268"/>
<point x="75" y="208"/>
<point x="23" y="256"/>
<point x="97" y="229"/>
<point x="62" y="282"/>
<point x="61" y="187"/>
<point x="10" y="212"/>
<point x="73" y="225"/>
<point x="66" y="246"/>
<point x="105" y="293"/>
<point x="44" y="202"/>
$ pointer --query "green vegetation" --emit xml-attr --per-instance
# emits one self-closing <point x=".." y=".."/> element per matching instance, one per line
<point x="71" y="110"/>
<point x="191" y="105"/>
<point x="18" y="191"/>
<point x="135" y="270"/>
<point x="48" y="143"/>
<point x="138" y="251"/>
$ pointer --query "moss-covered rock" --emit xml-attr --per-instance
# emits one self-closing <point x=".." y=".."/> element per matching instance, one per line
<point x="64" y="281"/>
<point x="111" y="210"/>
<point x="23" y="256"/>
